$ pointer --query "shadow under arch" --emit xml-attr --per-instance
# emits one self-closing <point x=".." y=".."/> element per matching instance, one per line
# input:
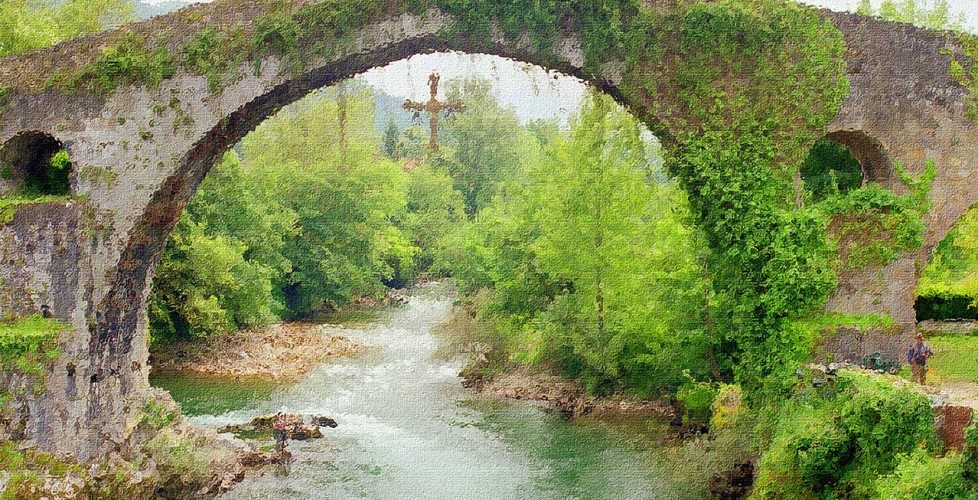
<point x="26" y="166"/>
<point x="877" y="167"/>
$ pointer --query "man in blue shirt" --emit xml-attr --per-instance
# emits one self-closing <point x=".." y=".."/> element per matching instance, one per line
<point x="917" y="356"/>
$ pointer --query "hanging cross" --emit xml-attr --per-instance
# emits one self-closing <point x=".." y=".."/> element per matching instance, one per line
<point x="433" y="107"/>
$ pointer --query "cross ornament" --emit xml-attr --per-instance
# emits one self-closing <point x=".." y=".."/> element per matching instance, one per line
<point x="433" y="107"/>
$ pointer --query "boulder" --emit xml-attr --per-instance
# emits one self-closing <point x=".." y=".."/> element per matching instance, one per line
<point x="323" y="421"/>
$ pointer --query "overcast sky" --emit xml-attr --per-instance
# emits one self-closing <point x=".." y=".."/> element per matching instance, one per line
<point x="528" y="90"/>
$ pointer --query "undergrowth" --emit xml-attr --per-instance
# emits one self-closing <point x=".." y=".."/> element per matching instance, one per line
<point x="26" y="345"/>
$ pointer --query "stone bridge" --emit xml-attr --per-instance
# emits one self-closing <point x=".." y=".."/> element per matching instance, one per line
<point x="140" y="150"/>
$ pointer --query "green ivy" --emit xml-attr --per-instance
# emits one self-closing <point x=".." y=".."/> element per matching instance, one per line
<point x="128" y="61"/>
<point x="873" y="225"/>
<point x="965" y="71"/>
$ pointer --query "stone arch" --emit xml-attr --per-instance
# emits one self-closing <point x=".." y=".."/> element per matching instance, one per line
<point x="160" y="140"/>
<point x="872" y="156"/>
<point x="25" y="160"/>
<point x="131" y="280"/>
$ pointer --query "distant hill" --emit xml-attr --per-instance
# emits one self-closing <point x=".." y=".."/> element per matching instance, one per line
<point x="389" y="107"/>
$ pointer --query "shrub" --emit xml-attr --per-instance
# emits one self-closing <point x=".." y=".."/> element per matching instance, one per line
<point x="920" y="476"/>
<point x="697" y="400"/>
<point x="838" y="442"/>
<point x="727" y="408"/>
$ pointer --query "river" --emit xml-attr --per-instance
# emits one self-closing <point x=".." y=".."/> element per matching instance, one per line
<point x="407" y="428"/>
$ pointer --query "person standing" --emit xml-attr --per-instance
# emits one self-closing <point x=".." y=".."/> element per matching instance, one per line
<point x="278" y="429"/>
<point x="917" y="356"/>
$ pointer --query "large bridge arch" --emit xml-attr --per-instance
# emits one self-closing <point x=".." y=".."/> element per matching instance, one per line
<point x="141" y="150"/>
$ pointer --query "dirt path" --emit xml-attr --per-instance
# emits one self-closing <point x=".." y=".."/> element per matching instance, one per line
<point x="961" y="393"/>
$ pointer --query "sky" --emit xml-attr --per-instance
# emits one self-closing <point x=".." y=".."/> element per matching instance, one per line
<point x="529" y="90"/>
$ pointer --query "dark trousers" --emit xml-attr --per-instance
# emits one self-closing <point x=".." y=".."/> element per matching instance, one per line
<point x="279" y="439"/>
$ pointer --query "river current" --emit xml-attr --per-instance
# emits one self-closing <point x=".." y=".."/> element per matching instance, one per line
<point x="408" y="429"/>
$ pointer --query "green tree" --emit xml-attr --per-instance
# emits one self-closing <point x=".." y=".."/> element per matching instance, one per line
<point x="32" y="24"/>
<point x="320" y="159"/>
<point x="392" y="138"/>
<point x="591" y="268"/>
<point x="931" y="14"/>
<point x="223" y="259"/>
<point x="487" y="143"/>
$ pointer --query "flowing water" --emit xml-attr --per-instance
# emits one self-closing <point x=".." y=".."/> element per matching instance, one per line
<point x="407" y="429"/>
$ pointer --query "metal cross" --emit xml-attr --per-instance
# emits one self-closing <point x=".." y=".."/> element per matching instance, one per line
<point x="433" y="107"/>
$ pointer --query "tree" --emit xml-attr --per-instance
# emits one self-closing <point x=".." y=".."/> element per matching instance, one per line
<point x="30" y="24"/>
<point x="392" y="139"/>
<point x="320" y="159"/>
<point x="223" y="259"/>
<point x="591" y="268"/>
<point x="487" y="143"/>
<point x="935" y="16"/>
<point x="614" y="236"/>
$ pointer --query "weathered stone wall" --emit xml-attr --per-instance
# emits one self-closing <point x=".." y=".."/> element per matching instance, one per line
<point x="904" y="100"/>
<point x="140" y="153"/>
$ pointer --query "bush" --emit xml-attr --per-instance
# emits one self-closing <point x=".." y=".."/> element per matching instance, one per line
<point x="697" y="400"/>
<point x="920" y="476"/>
<point x="944" y="305"/>
<point x="840" y="441"/>
<point x="728" y="408"/>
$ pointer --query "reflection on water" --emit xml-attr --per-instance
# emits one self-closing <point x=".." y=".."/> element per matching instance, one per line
<point x="407" y="429"/>
<point x="214" y="395"/>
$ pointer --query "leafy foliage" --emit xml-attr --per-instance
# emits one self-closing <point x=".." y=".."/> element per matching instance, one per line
<point x="129" y="61"/>
<point x="920" y="475"/>
<point x="221" y="261"/>
<point x="32" y="24"/>
<point x="298" y="227"/>
<point x="837" y="442"/>
<point x="591" y="267"/>
<point x="873" y="225"/>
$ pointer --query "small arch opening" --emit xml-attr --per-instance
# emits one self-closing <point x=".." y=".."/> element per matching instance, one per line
<point x="843" y="161"/>
<point x="830" y="168"/>
<point x="948" y="289"/>
<point x="33" y="165"/>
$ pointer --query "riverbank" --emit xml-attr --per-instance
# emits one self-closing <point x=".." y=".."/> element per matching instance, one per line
<point x="567" y="396"/>
<point x="281" y="352"/>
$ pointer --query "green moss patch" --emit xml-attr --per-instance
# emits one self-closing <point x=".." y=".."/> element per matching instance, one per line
<point x="129" y="61"/>
<point x="10" y="204"/>
<point x="27" y="344"/>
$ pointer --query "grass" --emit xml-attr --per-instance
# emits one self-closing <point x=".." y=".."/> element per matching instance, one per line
<point x="26" y="345"/>
<point x="9" y="204"/>
<point x="33" y="334"/>
<point x="955" y="358"/>
<point x="837" y="320"/>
